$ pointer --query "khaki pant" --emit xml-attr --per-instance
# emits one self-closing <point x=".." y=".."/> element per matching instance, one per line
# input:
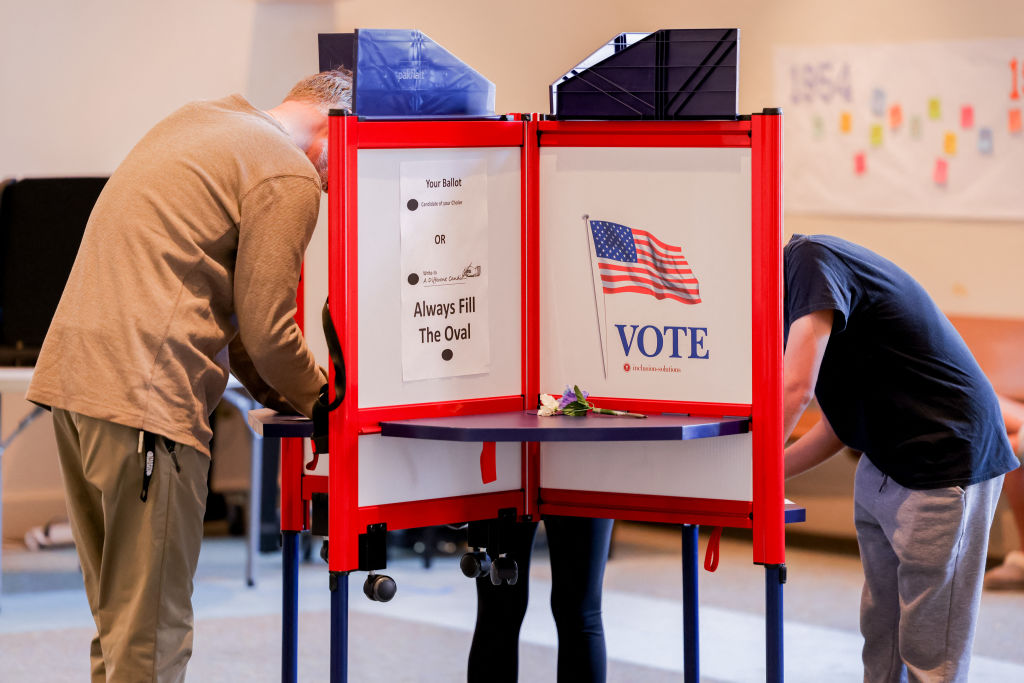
<point x="138" y="558"/>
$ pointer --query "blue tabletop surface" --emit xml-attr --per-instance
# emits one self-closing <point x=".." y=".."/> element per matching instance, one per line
<point x="523" y="426"/>
<point x="528" y="426"/>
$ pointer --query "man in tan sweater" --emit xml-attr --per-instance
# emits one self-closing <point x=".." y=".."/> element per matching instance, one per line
<point x="188" y="267"/>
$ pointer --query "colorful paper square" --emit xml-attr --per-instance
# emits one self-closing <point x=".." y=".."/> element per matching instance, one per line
<point x="934" y="108"/>
<point x="1015" y="121"/>
<point x="941" y="172"/>
<point x="877" y="135"/>
<point x="895" y="117"/>
<point x="915" y="127"/>
<point x="985" y="144"/>
<point x="845" y="122"/>
<point x="819" y="127"/>
<point x="860" y="163"/>
<point x="878" y="102"/>
<point x="949" y="143"/>
<point x="967" y="117"/>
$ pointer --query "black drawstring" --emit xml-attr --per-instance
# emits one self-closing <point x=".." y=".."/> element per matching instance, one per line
<point x="147" y="446"/>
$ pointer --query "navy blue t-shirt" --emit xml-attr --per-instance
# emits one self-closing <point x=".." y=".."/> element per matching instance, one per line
<point x="896" y="382"/>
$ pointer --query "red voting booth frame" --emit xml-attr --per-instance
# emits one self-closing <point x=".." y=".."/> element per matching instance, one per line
<point x="347" y="520"/>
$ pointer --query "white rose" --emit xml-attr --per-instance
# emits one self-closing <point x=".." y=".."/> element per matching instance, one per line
<point x="548" y="405"/>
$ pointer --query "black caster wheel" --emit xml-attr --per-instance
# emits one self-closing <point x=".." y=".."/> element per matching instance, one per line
<point x="504" y="570"/>
<point x="379" y="588"/>
<point x="475" y="564"/>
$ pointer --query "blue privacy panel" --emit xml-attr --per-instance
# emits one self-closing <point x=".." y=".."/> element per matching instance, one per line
<point x="403" y="73"/>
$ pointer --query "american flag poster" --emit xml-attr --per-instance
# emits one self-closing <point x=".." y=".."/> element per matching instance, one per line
<point x="626" y="260"/>
<point x="632" y="260"/>
<point x="645" y="272"/>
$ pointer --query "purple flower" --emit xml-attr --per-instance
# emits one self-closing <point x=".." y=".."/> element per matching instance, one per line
<point x="568" y="396"/>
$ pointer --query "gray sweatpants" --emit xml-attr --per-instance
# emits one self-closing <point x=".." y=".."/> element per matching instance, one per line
<point x="924" y="559"/>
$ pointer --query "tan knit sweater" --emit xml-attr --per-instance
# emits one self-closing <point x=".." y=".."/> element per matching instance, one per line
<point x="195" y="242"/>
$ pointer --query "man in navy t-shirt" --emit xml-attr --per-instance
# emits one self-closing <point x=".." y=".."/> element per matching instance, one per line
<point x="896" y="382"/>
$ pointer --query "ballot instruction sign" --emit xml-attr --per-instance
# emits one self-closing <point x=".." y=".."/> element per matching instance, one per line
<point x="444" y="268"/>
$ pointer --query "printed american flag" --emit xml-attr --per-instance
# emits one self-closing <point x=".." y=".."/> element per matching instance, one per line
<point x="631" y="260"/>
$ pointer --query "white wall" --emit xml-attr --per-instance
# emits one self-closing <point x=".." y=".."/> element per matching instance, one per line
<point x="82" y="80"/>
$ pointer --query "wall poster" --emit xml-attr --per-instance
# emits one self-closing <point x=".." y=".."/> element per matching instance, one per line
<point x="912" y="129"/>
<point x="645" y="282"/>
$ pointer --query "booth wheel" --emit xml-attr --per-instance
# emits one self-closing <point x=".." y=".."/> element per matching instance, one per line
<point x="475" y="564"/>
<point x="504" y="570"/>
<point x="379" y="587"/>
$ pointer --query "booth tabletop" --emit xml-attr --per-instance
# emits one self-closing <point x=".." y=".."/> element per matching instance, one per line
<point x="268" y="422"/>
<point x="523" y="426"/>
<point x="528" y="426"/>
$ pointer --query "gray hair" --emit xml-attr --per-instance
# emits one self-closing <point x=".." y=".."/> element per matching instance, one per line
<point x="329" y="89"/>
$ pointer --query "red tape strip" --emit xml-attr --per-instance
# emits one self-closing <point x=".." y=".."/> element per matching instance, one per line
<point x="711" y="556"/>
<point x="488" y="463"/>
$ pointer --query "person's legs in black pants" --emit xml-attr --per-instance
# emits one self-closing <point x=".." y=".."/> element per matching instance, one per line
<point x="494" y="654"/>
<point x="578" y="547"/>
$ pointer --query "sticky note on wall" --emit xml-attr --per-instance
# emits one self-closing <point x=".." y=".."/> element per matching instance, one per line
<point x="860" y="163"/>
<point x="1015" y="121"/>
<point x="985" y="141"/>
<point x="941" y="172"/>
<point x="967" y="117"/>
<point x="934" y="109"/>
<point x="845" y="122"/>
<point x="949" y="143"/>
<point x="878" y="102"/>
<point x="895" y="116"/>
<point x="877" y="135"/>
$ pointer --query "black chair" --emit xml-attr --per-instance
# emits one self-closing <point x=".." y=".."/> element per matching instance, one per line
<point x="41" y="225"/>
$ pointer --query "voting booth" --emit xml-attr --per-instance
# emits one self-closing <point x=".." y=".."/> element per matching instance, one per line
<point x="478" y="263"/>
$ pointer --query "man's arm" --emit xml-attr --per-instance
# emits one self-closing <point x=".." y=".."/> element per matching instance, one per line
<point x="815" y="447"/>
<point x="278" y="217"/>
<point x="808" y="337"/>
<point x="243" y="370"/>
